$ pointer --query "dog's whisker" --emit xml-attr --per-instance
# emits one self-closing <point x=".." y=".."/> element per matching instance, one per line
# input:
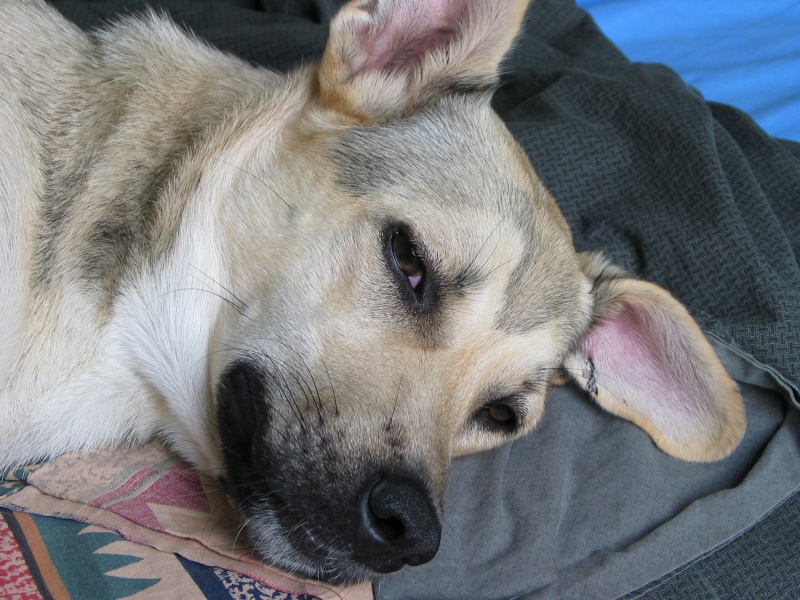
<point x="208" y="355"/>
<point x="396" y="399"/>
<point x="242" y="304"/>
<point x="485" y="241"/>
<point x="244" y="525"/>
<point x="315" y="394"/>
<point x="504" y="263"/>
<point x="223" y="514"/>
<point x="333" y="390"/>
<point x="289" y="399"/>
<point x="206" y="291"/>
<point x="259" y="179"/>
<point x="308" y="394"/>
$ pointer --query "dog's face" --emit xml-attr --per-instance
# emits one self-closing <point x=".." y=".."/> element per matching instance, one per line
<point x="407" y="295"/>
<point x="418" y="309"/>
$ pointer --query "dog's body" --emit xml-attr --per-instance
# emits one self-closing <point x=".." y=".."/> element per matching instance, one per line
<point x="337" y="278"/>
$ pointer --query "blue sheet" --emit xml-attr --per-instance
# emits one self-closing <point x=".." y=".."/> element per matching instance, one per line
<point x="739" y="52"/>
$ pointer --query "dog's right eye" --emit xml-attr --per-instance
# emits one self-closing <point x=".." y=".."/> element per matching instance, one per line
<point x="407" y="261"/>
<point x="405" y="254"/>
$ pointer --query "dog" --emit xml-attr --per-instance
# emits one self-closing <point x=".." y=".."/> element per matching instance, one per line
<point x="334" y="279"/>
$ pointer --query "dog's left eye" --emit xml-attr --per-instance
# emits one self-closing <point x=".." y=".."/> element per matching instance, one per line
<point x="500" y="416"/>
<point x="406" y="257"/>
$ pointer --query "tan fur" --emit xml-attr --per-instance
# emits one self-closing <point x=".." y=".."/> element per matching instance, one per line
<point x="205" y="251"/>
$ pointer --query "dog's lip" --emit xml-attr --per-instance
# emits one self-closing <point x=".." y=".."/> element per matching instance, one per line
<point x="331" y="555"/>
<point x="301" y="537"/>
<point x="324" y="562"/>
<point x="324" y="554"/>
<point x="383" y="568"/>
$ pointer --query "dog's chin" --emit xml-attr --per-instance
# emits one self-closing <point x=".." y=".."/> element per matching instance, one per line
<point x="297" y="552"/>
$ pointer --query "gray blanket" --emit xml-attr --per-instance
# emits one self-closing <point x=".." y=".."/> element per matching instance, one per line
<point x="689" y="194"/>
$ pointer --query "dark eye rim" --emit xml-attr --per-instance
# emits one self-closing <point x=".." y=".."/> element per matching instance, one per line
<point x="418" y="297"/>
<point x="506" y="421"/>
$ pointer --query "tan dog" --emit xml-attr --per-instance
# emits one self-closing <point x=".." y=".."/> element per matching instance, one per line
<point x="335" y="279"/>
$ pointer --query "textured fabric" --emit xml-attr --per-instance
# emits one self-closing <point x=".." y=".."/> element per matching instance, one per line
<point x="689" y="194"/>
<point x="760" y="563"/>
<point x="179" y="522"/>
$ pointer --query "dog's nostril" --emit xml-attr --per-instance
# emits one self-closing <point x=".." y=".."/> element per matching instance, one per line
<point x="399" y="526"/>
<point x="387" y="527"/>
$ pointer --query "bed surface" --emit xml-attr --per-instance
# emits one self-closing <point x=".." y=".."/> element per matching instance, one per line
<point x="687" y="192"/>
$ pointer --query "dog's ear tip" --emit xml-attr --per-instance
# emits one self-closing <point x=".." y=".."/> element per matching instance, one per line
<point x="732" y="420"/>
<point x="725" y="439"/>
<point x="707" y="438"/>
<point x="385" y="59"/>
<point x="721" y="434"/>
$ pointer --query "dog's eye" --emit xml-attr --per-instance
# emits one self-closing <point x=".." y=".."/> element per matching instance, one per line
<point x="500" y="416"/>
<point x="407" y="259"/>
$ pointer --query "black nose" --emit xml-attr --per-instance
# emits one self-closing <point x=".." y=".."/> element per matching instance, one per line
<point x="399" y="526"/>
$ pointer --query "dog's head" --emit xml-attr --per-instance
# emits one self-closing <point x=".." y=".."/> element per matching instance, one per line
<point x="407" y="290"/>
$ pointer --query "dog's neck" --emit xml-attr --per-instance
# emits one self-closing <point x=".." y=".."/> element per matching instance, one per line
<point x="123" y="136"/>
<point x="126" y="238"/>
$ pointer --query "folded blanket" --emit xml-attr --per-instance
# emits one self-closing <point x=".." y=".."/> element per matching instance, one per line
<point x="173" y="515"/>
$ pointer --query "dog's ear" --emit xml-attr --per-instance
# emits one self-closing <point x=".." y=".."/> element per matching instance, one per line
<point x="385" y="58"/>
<point x="646" y="360"/>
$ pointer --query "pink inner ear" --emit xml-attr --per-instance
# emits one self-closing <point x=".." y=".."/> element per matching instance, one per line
<point x="412" y="31"/>
<point x="646" y="360"/>
<point x="642" y="363"/>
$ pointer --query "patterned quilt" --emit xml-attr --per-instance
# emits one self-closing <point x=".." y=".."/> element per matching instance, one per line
<point x="131" y="524"/>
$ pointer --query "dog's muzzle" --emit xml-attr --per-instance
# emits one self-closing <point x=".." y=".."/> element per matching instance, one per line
<point x="320" y="497"/>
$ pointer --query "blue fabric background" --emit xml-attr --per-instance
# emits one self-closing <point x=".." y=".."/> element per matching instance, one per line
<point x="738" y="52"/>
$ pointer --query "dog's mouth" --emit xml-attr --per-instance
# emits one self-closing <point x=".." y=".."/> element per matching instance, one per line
<point x="393" y="526"/>
<point x="313" y="501"/>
